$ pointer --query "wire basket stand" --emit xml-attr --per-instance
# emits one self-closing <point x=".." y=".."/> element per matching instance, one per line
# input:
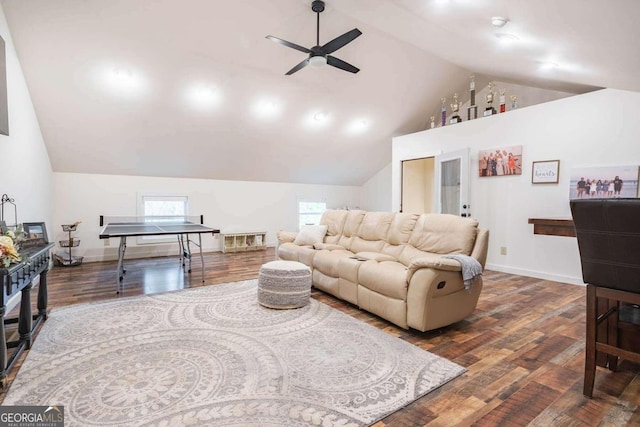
<point x="67" y="259"/>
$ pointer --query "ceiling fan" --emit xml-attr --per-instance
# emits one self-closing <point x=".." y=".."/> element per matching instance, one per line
<point x="320" y="55"/>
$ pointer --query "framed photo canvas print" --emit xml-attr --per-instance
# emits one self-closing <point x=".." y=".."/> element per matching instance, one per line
<point x="501" y="161"/>
<point x="545" y="172"/>
<point x="603" y="182"/>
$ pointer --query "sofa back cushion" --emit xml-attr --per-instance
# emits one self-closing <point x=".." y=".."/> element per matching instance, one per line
<point x="372" y="232"/>
<point x="351" y="225"/>
<point x="375" y="225"/>
<point x="334" y="220"/>
<point x="444" y="234"/>
<point x="401" y="228"/>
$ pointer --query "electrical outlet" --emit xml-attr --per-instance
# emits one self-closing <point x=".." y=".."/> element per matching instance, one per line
<point x="503" y="250"/>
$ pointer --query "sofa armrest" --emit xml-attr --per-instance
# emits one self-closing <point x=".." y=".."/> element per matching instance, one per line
<point x="286" y="236"/>
<point x="438" y="263"/>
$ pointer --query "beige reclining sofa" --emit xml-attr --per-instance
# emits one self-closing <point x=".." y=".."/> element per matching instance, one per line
<point x="391" y="264"/>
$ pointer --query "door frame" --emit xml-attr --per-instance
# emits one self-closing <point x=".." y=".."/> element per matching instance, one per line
<point x="463" y="155"/>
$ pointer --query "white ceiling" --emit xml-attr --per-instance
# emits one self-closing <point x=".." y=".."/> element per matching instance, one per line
<point x="411" y="53"/>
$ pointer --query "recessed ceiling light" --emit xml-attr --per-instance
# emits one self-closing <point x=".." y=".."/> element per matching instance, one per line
<point x="317" y="119"/>
<point x="122" y="74"/>
<point x="506" y="39"/>
<point x="358" y="126"/>
<point x="499" y="21"/>
<point x="266" y="108"/>
<point x="204" y="96"/>
<point x="122" y="81"/>
<point x="507" y="36"/>
<point x="548" y="65"/>
<point x="320" y="116"/>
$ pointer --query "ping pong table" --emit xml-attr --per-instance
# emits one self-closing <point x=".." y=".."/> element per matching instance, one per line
<point x="182" y="227"/>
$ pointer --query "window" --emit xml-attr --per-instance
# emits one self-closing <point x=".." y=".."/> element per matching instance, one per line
<point x="309" y="213"/>
<point x="161" y="207"/>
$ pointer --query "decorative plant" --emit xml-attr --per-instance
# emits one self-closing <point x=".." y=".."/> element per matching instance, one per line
<point x="9" y="246"/>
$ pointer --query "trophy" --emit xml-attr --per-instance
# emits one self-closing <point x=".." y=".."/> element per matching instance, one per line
<point x="472" y="110"/>
<point x="490" y="111"/>
<point x="433" y="121"/>
<point x="514" y="102"/>
<point x="503" y="106"/>
<point x="455" y="108"/>
<point x="443" y="112"/>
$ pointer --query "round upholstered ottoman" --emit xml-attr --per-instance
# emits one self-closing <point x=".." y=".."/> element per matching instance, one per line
<point x="284" y="284"/>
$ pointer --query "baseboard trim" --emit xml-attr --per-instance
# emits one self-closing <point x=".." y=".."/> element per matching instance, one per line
<point x="537" y="274"/>
<point x="135" y="252"/>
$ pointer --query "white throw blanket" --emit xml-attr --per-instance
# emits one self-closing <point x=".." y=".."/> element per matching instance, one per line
<point x="471" y="268"/>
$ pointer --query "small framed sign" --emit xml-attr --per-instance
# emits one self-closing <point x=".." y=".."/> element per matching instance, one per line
<point x="545" y="172"/>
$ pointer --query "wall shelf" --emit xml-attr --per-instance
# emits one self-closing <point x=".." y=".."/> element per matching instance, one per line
<point x="553" y="226"/>
<point x="243" y="242"/>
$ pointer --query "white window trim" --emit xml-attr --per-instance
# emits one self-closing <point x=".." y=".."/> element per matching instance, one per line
<point x="154" y="240"/>
<point x="309" y="200"/>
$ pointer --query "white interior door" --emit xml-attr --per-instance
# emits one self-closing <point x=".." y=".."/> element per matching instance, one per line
<point x="452" y="183"/>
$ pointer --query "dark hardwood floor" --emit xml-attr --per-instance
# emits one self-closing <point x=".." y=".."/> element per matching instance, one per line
<point x="523" y="346"/>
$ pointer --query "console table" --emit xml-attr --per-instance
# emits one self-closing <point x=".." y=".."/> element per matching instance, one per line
<point x="19" y="278"/>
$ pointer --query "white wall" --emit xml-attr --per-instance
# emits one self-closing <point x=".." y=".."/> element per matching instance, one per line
<point x="595" y="129"/>
<point x="376" y="192"/>
<point x="227" y="205"/>
<point x="25" y="170"/>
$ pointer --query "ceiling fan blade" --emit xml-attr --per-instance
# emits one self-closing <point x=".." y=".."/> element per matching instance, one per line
<point x="340" y="41"/>
<point x="289" y="44"/>
<point x="339" y="63"/>
<point x="298" y="67"/>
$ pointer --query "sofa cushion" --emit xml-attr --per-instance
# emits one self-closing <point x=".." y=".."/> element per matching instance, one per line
<point x="444" y="234"/>
<point x="375" y="256"/>
<point x="327" y="261"/>
<point x="327" y="246"/>
<point x="388" y="278"/>
<point x="401" y="227"/>
<point x="359" y="244"/>
<point x="352" y="223"/>
<point x="334" y="220"/>
<point x="375" y="225"/>
<point x="310" y="234"/>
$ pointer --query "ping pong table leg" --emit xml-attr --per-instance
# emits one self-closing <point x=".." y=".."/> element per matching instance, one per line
<point x="201" y="257"/>
<point x="188" y="252"/>
<point x="181" y="248"/>
<point x="121" y="249"/>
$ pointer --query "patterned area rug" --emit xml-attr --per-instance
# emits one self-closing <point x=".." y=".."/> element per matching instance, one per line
<point x="213" y="356"/>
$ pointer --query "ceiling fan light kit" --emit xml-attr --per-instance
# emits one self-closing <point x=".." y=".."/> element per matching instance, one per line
<point x="321" y="55"/>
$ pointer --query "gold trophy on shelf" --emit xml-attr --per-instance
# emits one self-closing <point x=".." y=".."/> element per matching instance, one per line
<point x="443" y="112"/>
<point x="472" y="110"/>
<point x="503" y="102"/>
<point x="455" y="108"/>
<point x="433" y="122"/>
<point x="514" y="102"/>
<point x="490" y="111"/>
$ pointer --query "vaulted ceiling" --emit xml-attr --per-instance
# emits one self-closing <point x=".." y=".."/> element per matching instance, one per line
<point x="191" y="88"/>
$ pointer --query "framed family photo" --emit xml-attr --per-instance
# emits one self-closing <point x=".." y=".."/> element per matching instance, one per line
<point x="501" y="161"/>
<point x="545" y="172"/>
<point x="604" y="182"/>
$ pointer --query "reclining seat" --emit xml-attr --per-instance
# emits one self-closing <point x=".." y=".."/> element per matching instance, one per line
<point x="325" y="261"/>
<point x="381" y="278"/>
<point x="436" y="295"/>
<point x="366" y="244"/>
